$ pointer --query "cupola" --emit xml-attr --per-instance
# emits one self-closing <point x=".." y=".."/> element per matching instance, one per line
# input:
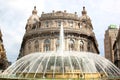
<point x="33" y="19"/>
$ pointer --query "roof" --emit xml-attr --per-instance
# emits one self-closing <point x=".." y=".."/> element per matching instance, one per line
<point x="112" y="26"/>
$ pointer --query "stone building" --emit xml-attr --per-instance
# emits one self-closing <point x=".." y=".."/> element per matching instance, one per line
<point x="3" y="59"/>
<point x="42" y="33"/>
<point x="110" y="37"/>
<point x="116" y="48"/>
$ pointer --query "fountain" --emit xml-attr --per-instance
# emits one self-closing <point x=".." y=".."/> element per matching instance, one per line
<point x="64" y="65"/>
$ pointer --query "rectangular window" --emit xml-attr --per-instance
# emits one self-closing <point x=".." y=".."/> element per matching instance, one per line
<point x="59" y="23"/>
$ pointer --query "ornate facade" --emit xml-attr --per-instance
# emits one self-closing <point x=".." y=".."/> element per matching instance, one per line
<point x="3" y="60"/>
<point x="42" y="33"/>
<point x="110" y="37"/>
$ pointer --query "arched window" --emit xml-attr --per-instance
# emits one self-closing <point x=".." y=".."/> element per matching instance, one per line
<point x="80" y="25"/>
<point x="36" y="46"/>
<point x="39" y="24"/>
<point x="71" y="45"/>
<point x="29" y="47"/>
<point x="47" y="45"/>
<point x="57" y="44"/>
<point x="88" y="46"/>
<point x="59" y="23"/>
<point x="34" y="26"/>
<point x="81" y="45"/>
<point x="34" y="23"/>
<point x="46" y="24"/>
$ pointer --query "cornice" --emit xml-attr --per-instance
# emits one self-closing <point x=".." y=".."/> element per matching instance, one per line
<point x="59" y="15"/>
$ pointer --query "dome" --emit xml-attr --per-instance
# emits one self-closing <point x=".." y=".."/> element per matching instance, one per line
<point x="84" y="15"/>
<point x="34" y="17"/>
<point x="112" y="26"/>
<point x="69" y="64"/>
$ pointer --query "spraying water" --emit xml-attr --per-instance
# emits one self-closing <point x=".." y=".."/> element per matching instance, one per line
<point x="61" y="39"/>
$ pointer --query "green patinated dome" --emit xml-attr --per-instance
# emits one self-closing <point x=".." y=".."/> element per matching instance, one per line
<point x="112" y="26"/>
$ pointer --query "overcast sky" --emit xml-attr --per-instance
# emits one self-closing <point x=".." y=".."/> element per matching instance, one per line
<point x="14" y="15"/>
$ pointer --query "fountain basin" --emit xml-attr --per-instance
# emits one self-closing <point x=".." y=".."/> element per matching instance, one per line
<point x="66" y="65"/>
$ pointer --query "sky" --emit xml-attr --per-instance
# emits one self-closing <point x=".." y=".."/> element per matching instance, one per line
<point x="14" y="15"/>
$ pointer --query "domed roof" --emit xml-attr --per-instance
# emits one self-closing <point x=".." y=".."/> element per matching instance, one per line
<point x="34" y="17"/>
<point x="84" y="15"/>
<point x="112" y="26"/>
<point x="52" y="64"/>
